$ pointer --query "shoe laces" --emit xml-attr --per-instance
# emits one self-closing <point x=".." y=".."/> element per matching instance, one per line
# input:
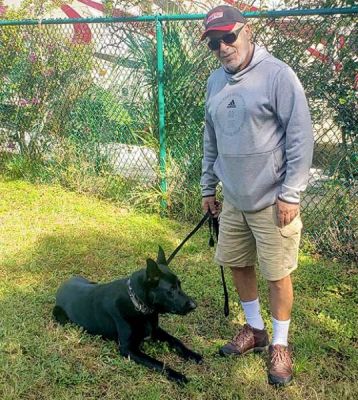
<point x="242" y="336"/>
<point x="280" y="355"/>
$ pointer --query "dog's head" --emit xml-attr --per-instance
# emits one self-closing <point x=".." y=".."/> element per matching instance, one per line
<point x="164" y="291"/>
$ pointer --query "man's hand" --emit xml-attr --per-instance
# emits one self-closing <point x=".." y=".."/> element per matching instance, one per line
<point x="210" y="203"/>
<point x="286" y="212"/>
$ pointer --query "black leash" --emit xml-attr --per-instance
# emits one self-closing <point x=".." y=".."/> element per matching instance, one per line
<point x="213" y="224"/>
<point x="200" y="224"/>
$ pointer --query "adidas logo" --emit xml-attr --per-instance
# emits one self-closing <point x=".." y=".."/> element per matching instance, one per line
<point x="231" y="104"/>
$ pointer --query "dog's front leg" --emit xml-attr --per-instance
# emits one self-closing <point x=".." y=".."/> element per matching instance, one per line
<point x="163" y="336"/>
<point x="150" y="362"/>
<point x="129" y="347"/>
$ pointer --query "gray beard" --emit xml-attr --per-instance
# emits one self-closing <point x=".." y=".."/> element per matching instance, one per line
<point x="231" y="71"/>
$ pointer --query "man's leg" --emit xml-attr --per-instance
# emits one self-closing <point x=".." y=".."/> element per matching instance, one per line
<point x="281" y="299"/>
<point x="277" y="250"/>
<point x="253" y="336"/>
<point x="237" y="249"/>
<point x="246" y="286"/>
<point x="245" y="282"/>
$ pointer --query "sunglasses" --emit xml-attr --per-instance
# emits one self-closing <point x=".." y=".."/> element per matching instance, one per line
<point x="228" y="38"/>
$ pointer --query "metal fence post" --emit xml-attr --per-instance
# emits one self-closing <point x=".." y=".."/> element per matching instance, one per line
<point x="161" y="114"/>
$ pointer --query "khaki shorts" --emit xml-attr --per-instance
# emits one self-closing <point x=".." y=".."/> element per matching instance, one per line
<point x="245" y="236"/>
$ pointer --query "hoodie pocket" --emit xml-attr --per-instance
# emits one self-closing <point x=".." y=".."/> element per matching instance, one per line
<point x="250" y="174"/>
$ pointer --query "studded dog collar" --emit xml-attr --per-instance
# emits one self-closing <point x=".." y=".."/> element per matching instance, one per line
<point x="139" y="305"/>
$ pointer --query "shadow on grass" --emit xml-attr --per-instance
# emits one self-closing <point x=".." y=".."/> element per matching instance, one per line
<point x="36" y="353"/>
<point x="37" y="356"/>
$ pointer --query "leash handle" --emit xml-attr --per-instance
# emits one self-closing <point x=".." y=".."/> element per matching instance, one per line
<point x="200" y="224"/>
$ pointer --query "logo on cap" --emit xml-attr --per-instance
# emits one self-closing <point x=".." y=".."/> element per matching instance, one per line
<point x="215" y="15"/>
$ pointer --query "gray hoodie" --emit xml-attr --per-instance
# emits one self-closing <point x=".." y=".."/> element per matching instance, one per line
<point x="258" y="137"/>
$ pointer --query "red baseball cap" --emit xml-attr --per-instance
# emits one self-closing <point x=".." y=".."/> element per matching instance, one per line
<point x="222" y="18"/>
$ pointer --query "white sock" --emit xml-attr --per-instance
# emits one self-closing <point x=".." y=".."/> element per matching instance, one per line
<point x="280" y="331"/>
<point x="253" y="314"/>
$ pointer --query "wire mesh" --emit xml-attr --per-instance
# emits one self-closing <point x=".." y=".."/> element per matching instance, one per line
<point x="78" y="106"/>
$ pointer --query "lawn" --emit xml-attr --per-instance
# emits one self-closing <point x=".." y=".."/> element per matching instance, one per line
<point x="48" y="234"/>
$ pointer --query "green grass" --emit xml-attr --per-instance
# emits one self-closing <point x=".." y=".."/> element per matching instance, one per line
<point x="48" y="234"/>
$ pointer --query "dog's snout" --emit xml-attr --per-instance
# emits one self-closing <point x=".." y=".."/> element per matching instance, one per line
<point x="191" y="305"/>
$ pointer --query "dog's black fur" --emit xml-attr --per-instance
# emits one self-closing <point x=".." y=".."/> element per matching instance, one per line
<point x="108" y="310"/>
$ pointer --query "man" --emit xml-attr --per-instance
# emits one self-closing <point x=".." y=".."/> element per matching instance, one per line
<point x="258" y="143"/>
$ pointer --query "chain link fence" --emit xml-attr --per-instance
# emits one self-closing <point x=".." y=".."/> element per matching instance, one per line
<point x="79" y="106"/>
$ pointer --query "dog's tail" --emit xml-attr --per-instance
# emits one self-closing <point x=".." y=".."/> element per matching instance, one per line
<point x="60" y="315"/>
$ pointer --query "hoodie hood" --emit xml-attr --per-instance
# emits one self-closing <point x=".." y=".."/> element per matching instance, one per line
<point x="260" y="54"/>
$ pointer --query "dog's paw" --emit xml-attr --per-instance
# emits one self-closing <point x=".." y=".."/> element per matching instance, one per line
<point x="177" y="377"/>
<point x="198" y="358"/>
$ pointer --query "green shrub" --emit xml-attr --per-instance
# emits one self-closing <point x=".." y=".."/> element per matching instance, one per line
<point x="42" y="73"/>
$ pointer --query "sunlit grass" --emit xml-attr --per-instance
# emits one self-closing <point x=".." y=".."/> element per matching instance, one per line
<point x="48" y="234"/>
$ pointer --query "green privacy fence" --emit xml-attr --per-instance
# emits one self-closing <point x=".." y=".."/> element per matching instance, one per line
<point x="115" y="107"/>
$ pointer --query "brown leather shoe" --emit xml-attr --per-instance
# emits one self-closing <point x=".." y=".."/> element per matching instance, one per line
<point x="246" y="340"/>
<point x="280" y="365"/>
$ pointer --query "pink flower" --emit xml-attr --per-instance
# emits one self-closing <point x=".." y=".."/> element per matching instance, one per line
<point x="23" y="102"/>
<point x="32" y="57"/>
<point x="35" y="101"/>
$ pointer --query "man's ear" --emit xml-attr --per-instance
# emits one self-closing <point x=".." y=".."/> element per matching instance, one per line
<point x="161" y="257"/>
<point x="248" y="31"/>
<point x="153" y="271"/>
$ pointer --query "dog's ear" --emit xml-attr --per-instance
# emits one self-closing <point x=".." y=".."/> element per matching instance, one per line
<point x="153" y="271"/>
<point x="161" y="257"/>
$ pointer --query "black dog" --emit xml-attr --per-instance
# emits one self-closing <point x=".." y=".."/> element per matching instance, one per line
<point x="127" y="310"/>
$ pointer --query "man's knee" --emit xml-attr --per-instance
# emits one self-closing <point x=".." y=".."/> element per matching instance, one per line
<point x="281" y="284"/>
<point x="243" y="270"/>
